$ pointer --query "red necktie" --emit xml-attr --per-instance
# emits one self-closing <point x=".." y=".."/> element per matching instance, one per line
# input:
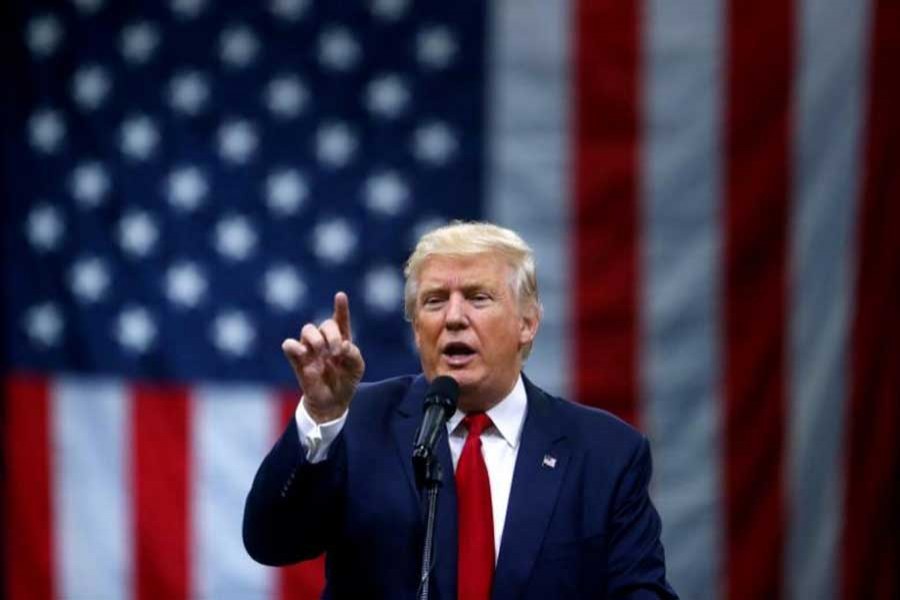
<point x="476" y="518"/>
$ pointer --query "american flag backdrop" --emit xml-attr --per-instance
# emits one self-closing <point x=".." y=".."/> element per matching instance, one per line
<point x="712" y="189"/>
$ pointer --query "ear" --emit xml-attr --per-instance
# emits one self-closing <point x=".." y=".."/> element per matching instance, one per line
<point x="529" y="324"/>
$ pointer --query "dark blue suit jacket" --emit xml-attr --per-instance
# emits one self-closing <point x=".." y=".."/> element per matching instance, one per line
<point x="581" y="528"/>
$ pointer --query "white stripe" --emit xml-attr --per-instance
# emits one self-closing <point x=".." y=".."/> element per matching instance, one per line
<point x="682" y="248"/>
<point x="92" y="503"/>
<point x="232" y="431"/>
<point x="828" y="116"/>
<point x="528" y="160"/>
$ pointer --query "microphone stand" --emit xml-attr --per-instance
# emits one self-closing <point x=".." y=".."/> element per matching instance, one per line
<point x="429" y="477"/>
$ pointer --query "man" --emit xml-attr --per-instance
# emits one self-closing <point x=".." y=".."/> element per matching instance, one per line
<point x="549" y="498"/>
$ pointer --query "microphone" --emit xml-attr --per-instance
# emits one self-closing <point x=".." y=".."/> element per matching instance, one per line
<point x="440" y="404"/>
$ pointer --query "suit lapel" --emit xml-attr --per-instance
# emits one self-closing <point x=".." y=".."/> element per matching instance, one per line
<point x="539" y="471"/>
<point x="409" y="416"/>
<point x="403" y="427"/>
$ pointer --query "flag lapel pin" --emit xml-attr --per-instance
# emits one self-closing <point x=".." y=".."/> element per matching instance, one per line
<point x="549" y="461"/>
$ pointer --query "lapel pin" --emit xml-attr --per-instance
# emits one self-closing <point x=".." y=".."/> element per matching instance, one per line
<point x="549" y="461"/>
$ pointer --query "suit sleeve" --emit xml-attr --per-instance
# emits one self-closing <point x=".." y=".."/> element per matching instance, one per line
<point x="636" y="560"/>
<point x="293" y="508"/>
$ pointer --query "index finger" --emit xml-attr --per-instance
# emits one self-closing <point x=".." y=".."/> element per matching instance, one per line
<point x="342" y="314"/>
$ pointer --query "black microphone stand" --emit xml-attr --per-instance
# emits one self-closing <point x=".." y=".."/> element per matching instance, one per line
<point x="429" y="479"/>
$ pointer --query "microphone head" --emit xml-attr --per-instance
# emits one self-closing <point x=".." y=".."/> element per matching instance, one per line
<point x="444" y="391"/>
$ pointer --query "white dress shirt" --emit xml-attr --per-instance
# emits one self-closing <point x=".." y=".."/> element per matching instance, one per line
<point x="499" y="446"/>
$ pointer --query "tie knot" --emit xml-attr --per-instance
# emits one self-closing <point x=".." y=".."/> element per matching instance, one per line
<point x="476" y="423"/>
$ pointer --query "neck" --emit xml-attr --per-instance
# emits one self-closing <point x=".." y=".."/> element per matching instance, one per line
<point x="473" y="401"/>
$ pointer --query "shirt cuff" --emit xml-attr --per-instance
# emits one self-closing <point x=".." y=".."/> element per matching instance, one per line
<point x="316" y="438"/>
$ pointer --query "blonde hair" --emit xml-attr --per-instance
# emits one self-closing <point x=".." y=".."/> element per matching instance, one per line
<point x="461" y="238"/>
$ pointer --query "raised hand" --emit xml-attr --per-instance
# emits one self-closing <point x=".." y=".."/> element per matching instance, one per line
<point x="327" y="363"/>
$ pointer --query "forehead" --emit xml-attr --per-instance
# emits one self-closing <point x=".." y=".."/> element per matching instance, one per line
<point x="474" y="269"/>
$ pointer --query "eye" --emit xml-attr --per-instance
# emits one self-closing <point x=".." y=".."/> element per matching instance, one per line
<point x="432" y="301"/>
<point x="481" y="298"/>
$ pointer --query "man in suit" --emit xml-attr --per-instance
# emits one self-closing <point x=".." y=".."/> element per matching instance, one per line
<point x="542" y="498"/>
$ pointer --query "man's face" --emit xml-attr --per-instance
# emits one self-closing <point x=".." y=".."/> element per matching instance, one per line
<point x="468" y="325"/>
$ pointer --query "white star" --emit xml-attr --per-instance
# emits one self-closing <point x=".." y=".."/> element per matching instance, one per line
<point x="138" y="137"/>
<point x="185" y="285"/>
<point x="338" y="50"/>
<point x="386" y="193"/>
<point x="288" y="10"/>
<point x="387" y="96"/>
<point x="286" y="191"/>
<point x="234" y="237"/>
<point x="135" y="329"/>
<point x="334" y="241"/>
<point x="434" y="143"/>
<point x="43" y="35"/>
<point x="238" y="141"/>
<point x="138" y="42"/>
<point x="286" y="96"/>
<point x="89" y="279"/>
<point x="436" y="47"/>
<point x="189" y="92"/>
<point x="186" y="188"/>
<point x="233" y="334"/>
<point x="389" y="10"/>
<point x="44" y="324"/>
<point x="138" y="233"/>
<point x="45" y="228"/>
<point x="88" y="6"/>
<point x="383" y="289"/>
<point x="282" y="288"/>
<point x="90" y="86"/>
<point x="187" y="9"/>
<point x="46" y="131"/>
<point x="89" y="184"/>
<point x="238" y="46"/>
<point x="335" y="144"/>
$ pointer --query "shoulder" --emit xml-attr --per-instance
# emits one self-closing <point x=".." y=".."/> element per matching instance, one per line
<point x="382" y="397"/>
<point x="587" y="427"/>
<point x="387" y="387"/>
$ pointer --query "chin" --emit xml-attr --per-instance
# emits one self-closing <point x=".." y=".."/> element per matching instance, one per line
<point x="460" y="374"/>
<point x="464" y="377"/>
<point x="466" y="384"/>
<point x="469" y="386"/>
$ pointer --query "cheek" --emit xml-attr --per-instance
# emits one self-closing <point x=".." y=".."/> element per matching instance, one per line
<point x="502" y="337"/>
<point x="425" y="338"/>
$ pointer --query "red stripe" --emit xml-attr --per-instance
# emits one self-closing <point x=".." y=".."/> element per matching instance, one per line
<point x="757" y="130"/>
<point x="28" y="515"/>
<point x="871" y="536"/>
<point x="303" y="581"/>
<point x="161" y="426"/>
<point x="606" y="125"/>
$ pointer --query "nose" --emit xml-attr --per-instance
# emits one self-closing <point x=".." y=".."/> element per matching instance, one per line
<point x="456" y="313"/>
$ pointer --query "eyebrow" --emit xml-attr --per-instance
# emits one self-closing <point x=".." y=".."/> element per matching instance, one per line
<point x="468" y="287"/>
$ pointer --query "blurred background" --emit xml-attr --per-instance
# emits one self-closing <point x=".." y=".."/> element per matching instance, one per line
<point x="712" y="190"/>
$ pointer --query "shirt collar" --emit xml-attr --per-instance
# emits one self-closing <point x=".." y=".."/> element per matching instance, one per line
<point x="508" y="415"/>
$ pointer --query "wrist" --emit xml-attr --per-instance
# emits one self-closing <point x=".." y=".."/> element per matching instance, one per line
<point x="323" y="415"/>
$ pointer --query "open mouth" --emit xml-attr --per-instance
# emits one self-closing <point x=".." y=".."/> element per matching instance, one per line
<point x="458" y="353"/>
